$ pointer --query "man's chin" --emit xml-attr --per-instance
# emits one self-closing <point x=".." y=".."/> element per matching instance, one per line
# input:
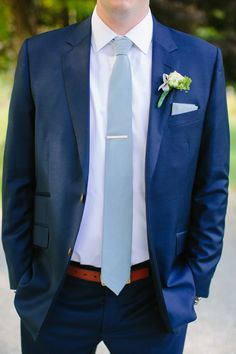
<point x="120" y="6"/>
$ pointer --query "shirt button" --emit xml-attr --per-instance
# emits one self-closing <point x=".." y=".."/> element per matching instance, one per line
<point x="69" y="251"/>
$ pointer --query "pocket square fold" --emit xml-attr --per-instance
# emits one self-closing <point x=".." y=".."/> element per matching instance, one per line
<point x="179" y="108"/>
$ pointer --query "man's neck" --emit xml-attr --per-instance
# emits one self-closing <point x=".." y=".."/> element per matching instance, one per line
<point x="121" y="23"/>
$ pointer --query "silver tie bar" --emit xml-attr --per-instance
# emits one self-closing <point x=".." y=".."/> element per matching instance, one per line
<point x="117" y="136"/>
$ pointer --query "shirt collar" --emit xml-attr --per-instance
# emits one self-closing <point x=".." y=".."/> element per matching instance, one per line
<point x="102" y="34"/>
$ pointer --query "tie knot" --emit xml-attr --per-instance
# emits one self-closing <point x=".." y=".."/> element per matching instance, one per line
<point x="122" y="45"/>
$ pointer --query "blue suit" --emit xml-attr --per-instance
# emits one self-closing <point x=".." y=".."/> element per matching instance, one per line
<point x="46" y="170"/>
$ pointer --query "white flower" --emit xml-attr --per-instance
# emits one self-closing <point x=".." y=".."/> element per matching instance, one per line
<point x="171" y="81"/>
<point x="174" y="78"/>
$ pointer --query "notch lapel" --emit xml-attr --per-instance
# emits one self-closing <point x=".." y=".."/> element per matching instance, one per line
<point x="76" y="68"/>
<point x="164" y="60"/>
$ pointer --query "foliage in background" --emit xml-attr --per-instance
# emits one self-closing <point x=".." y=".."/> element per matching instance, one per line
<point x="5" y="37"/>
<point x="20" y="19"/>
<point x="213" y="20"/>
<point x="5" y="84"/>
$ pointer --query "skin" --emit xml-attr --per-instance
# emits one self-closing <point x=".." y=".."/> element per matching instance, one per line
<point x="122" y="15"/>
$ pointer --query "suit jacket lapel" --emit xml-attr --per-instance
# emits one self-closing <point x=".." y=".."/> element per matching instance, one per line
<point x="163" y="61"/>
<point x="76" y="64"/>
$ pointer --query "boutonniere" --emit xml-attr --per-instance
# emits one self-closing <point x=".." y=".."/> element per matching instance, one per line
<point x="173" y="81"/>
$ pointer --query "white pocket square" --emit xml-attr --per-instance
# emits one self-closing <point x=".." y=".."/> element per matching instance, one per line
<point x="179" y="108"/>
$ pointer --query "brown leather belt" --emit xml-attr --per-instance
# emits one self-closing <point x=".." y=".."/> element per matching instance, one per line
<point x="81" y="272"/>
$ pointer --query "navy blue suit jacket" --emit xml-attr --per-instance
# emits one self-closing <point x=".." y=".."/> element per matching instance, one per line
<point x="46" y="170"/>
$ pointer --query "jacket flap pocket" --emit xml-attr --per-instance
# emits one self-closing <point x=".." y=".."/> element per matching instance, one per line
<point x="40" y="236"/>
<point x="181" y="241"/>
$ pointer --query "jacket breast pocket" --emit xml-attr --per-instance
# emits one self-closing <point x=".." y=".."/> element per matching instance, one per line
<point x="186" y="118"/>
<point x="181" y="239"/>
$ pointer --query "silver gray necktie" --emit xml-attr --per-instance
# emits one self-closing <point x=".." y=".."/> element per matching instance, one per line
<point x="118" y="183"/>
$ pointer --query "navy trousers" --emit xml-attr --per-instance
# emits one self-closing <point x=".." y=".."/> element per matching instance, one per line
<point x="86" y="313"/>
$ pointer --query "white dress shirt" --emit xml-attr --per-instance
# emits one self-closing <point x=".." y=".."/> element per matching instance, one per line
<point x="88" y="244"/>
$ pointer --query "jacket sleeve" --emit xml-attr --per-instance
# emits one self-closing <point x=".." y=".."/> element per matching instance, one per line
<point x="18" y="179"/>
<point x="210" y="193"/>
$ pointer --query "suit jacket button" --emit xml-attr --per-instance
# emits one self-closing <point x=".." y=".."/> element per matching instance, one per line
<point x="69" y="251"/>
<point x="82" y="198"/>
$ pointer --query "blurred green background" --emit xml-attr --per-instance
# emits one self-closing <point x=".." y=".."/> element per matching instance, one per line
<point x="213" y="20"/>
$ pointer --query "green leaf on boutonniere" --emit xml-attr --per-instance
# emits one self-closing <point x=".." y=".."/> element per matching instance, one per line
<point x="162" y="98"/>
